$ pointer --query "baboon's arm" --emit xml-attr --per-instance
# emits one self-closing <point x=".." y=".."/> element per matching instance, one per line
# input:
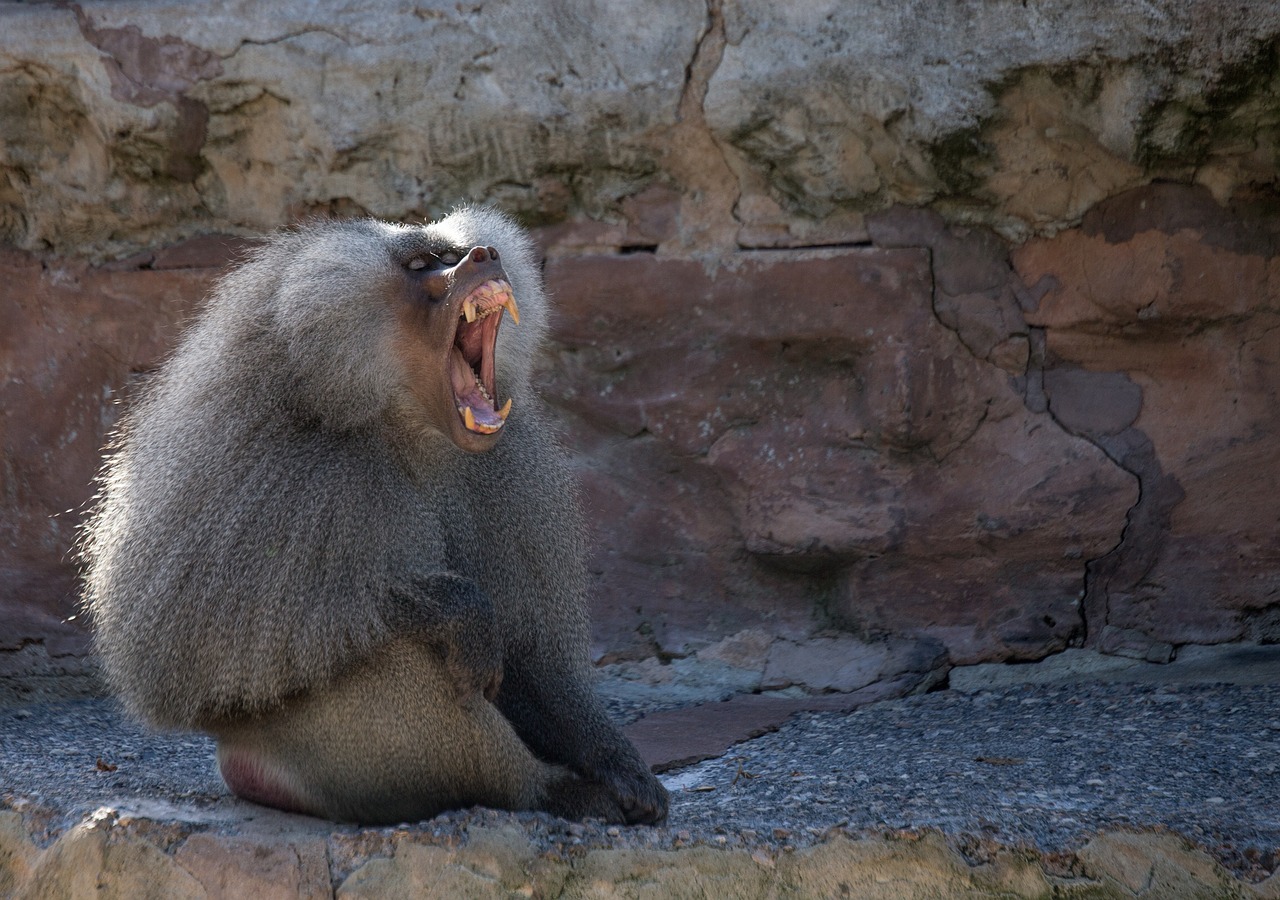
<point x="455" y="616"/>
<point x="563" y="721"/>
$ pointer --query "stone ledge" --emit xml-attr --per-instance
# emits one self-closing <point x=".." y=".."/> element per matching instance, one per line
<point x="109" y="854"/>
<point x="1088" y="789"/>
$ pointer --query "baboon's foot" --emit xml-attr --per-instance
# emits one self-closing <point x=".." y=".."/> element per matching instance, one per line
<point x="636" y="792"/>
<point x="571" y="797"/>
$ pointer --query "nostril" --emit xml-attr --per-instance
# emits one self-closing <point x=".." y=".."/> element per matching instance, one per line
<point x="481" y="254"/>
<point x="493" y="253"/>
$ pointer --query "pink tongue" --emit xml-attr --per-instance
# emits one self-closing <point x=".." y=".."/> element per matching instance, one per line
<point x="467" y="392"/>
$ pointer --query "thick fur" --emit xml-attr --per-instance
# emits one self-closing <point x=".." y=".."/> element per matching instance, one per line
<point x="275" y="496"/>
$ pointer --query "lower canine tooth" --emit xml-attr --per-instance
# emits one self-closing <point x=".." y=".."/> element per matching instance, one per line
<point x="468" y="418"/>
<point x="469" y="309"/>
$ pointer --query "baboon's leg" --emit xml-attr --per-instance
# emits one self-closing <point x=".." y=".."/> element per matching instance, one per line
<point x="392" y="741"/>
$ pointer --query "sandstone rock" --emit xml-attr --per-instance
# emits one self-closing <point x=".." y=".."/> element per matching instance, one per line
<point x="494" y="863"/>
<point x="95" y="860"/>
<point x="1134" y="644"/>
<point x="747" y="649"/>
<point x="138" y="123"/>
<point x="73" y="341"/>
<point x="1160" y="323"/>
<point x="665" y="569"/>
<point x="687" y="680"/>
<point x="846" y="663"/>
<point x="130" y="125"/>
<point x="908" y="867"/>
<point x="1013" y="533"/>
<point x="103" y="856"/>
<point x="655" y="875"/>
<point x="975" y="292"/>
<point x="858" y="107"/>
<point x="927" y="438"/>
<point x="1155" y="865"/>
<point x="18" y="852"/>
<point x="257" y="867"/>
<point x="1093" y="403"/>
<point x="1268" y="889"/>
<point x="844" y="429"/>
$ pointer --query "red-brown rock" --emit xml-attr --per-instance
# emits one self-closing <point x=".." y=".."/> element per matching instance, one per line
<point x="919" y="440"/>
<point x="1162" y="323"/>
<point x="682" y="737"/>
<point x="72" y="340"/>
<point x="865" y="455"/>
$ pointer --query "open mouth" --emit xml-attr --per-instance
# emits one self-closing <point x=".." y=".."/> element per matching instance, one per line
<point x="471" y="361"/>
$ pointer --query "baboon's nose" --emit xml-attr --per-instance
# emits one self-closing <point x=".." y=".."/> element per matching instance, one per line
<point x="480" y="263"/>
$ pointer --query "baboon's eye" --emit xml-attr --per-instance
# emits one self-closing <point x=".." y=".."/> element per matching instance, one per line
<point x="445" y="260"/>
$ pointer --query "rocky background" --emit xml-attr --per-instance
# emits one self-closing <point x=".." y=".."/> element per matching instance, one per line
<point x="892" y="336"/>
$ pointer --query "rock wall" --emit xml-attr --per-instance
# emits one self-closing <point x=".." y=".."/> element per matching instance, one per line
<point x="944" y="334"/>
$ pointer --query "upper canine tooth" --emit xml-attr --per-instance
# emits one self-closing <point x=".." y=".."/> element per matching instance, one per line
<point x="469" y="309"/>
<point x="510" y="304"/>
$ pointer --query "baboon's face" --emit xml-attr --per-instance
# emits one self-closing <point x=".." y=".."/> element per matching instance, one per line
<point x="448" y="334"/>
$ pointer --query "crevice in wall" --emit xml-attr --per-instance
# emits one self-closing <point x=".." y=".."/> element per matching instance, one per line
<point x="977" y="295"/>
<point x="1101" y="407"/>
<point x="1123" y="570"/>
<point x="793" y="248"/>
<point x="702" y="65"/>
<point x="710" y="191"/>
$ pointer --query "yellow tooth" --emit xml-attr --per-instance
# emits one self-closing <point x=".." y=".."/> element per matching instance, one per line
<point x="510" y="304"/>
<point x="468" y="419"/>
<point x="506" y="410"/>
<point x="469" y="309"/>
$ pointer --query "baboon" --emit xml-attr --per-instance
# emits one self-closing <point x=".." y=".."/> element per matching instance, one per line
<point x="337" y="534"/>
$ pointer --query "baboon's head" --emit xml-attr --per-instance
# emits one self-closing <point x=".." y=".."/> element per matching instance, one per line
<point x="455" y="303"/>
<point x="438" y="321"/>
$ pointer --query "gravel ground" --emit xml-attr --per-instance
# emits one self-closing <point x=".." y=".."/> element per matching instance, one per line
<point x="1044" y="765"/>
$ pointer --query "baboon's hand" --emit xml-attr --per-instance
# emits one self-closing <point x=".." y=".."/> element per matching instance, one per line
<point x="641" y="797"/>
<point x="473" y="655"/>
<point x="455" y="615"/>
